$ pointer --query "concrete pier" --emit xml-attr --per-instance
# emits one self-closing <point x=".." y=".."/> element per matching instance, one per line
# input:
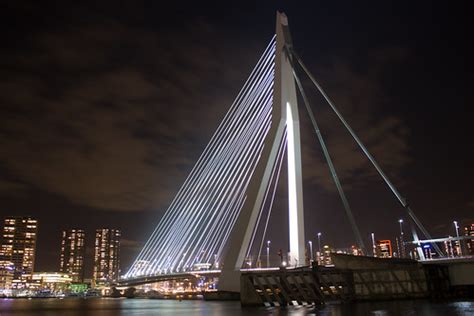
<point x="461" y="274"/>
<point x="353" y="278"/>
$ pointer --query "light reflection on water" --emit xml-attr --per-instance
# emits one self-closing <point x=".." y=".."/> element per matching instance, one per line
<point x="134" y="307"/>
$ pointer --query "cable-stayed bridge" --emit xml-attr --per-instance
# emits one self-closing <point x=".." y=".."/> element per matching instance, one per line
<point x="212" y="222"/>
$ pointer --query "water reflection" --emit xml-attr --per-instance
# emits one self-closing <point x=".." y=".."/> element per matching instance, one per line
<point x="133" y="307"/>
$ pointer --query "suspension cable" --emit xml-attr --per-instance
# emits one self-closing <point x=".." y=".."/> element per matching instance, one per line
<point x="402" y="200"/>
<point x="332" y="169"/>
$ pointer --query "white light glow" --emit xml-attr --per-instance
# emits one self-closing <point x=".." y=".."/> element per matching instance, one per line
<point x="292" y="199"/>
<point x="199" y="220"/>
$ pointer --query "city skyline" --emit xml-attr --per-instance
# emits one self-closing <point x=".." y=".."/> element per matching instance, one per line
<point x="118" y="157"/>
<point x="18" y="251"/>
<point x="106" y="267"/>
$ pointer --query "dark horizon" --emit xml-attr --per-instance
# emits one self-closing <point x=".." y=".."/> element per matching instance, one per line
<point x="106" y="107"/>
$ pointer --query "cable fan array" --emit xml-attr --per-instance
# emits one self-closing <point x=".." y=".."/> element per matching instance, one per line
<point x="198" y="222"/>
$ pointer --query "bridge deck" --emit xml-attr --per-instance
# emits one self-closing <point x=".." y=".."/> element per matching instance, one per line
<point x="179" y="276"/>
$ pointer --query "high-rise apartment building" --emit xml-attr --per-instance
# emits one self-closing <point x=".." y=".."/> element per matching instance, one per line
<point x="384" y="249"/>
<point x="448" y="247"/>
<point x="469" y="231"/>
<point x="356" y="251"/>
<point x="18" y="246"/>
<point x="106" y="256"/>
<point x="326" y="258"/>
<point x="6" y="275"/>
<point x="72" y="254"/>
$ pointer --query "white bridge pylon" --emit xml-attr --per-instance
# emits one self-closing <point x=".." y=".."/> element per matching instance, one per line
<point x="211" y="221"/>
<point x="284" y="116"/>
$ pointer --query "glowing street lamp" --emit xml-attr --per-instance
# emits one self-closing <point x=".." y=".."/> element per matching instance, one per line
<point x="268" y="253"/>
<point x="311" y="250"/>
<point x="456" y="226"/>
<point x="402" y="239"/>
<point x="401" y="228"/>
<point x="374" y="249"/>
<point x="319" y="248"/>
<point x="319" y="242"/>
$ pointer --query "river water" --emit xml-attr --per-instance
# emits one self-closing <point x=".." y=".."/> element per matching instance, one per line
<point x="134" y="307"/>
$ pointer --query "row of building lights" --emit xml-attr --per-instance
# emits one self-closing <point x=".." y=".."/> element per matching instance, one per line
<point x="379" y="246"/>
<point x="18" y="252"/>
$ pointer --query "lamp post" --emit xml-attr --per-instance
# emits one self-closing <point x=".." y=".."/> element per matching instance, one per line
<point x="268" y="253"/>
<point x="402" y="240"/>
<point x="319" y="242"/>
<point x="374" y="249"/>
<point x="456" y="226"/>
<point x="319" y="248"/>
<point x="310" y="251"/>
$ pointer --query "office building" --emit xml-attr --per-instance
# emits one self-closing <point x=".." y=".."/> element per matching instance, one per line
<point x="19" y="247"/>
<point x="469" y="231"/>
<point x="55" y="282"/>
<point x="428" y="251"/>
<point x="326" y="255"/>
<point x="6" y="275"/>
<point x="106" y="256"/>
<point x="448" y="247"/>
<point x="384" y="249"/>
<point x="72" y="254"/>
<point x="356" y="251"/>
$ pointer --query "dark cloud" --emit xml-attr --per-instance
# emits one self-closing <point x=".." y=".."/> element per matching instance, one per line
<point x="13" y="188"/>
<point x="106" y="115"/>
<point x="112" y="134"/>
<point x="359" y="96"/>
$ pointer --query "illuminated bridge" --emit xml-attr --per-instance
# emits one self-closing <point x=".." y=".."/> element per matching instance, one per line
<point x="212" y="221"/>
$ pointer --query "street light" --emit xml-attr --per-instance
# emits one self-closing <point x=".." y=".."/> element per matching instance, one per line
<point x="456" y="226"/>
<point x="402" y="240"/>
<point x="268" y="253"/>
<point x="311" y="250"/>
<point x="319" y="241"/>
<point x="374" y="249"/>
<point x="319" y="248"/>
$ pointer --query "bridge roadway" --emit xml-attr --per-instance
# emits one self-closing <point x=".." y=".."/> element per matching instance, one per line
<point x="166" y="277"/>
<point x="178" y="276"/>
<point x="460" y="270"/>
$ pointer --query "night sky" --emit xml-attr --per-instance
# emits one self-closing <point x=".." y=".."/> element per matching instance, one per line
<point x="104" y="108"/>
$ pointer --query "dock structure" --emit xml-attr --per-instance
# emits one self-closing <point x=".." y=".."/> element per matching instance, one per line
<point x="350" y="279"/>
